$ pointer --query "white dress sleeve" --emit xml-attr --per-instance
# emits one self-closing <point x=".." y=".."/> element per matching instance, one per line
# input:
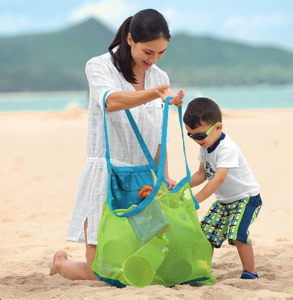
<point x="100" y="79"/>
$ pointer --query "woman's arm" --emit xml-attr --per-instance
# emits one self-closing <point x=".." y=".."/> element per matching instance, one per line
<point x="125" y="100"/>
<point x="100" y="80"/>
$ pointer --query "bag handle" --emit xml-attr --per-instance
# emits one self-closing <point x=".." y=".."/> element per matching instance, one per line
<point x="106" y="135"/>
<point x="141" y="140"/>
<point x="164" y="140"/>
<point x="137" y="134"/>
<point x="161" y="167"/>
<point x="183" y="141"/>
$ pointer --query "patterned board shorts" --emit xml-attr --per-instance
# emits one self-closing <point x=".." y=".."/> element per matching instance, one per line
<point x="230" y="221"/>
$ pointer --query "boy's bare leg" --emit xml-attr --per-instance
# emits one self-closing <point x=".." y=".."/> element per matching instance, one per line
<point x="245" y="252"/>
<point x="75" y="270"/>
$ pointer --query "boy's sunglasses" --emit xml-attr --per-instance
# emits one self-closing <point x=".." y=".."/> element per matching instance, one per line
<point x="202" y="136"/>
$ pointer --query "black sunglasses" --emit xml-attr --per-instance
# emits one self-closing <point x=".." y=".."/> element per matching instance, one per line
<point x="202" y="136"/>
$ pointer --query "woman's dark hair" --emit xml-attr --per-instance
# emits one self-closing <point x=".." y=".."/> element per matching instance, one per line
<point x="200" y="110"/>
<point x="147" y="25"/>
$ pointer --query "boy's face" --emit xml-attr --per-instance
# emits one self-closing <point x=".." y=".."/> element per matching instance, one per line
<point x="206" y="134"/>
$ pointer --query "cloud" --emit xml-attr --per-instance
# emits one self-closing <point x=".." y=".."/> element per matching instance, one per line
<point x="255" y="21"/>
<point x="259" y="29"/>
<point x="169" y="12"/>
<point x="110" y="12"/>
<point x="182" y="20"/>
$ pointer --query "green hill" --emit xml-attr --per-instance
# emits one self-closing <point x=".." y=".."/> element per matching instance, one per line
<point x="52" y="61"/>
<point x="210" y="61"/>
<point x="55" y="61"/>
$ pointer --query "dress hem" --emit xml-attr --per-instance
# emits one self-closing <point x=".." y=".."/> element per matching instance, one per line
<point x="74" y="240"/>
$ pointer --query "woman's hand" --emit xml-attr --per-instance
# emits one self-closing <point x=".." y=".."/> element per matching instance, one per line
<point x="177" y="100"/>
<point x="171" y="183"/>
<point x="164" y="92"/>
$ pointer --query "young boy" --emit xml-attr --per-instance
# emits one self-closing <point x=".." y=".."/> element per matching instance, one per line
<point x="229" y="177"/>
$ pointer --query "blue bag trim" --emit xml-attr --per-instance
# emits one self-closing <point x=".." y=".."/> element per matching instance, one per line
<point x="113" y="282"/>
<point x="180" y="185"/>
<point x="152" y="165"/>
<point x="197" y="280"/>
<point x="118" y="284"/>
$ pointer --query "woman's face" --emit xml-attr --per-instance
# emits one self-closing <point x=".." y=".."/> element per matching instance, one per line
<point x="146" y="54"/>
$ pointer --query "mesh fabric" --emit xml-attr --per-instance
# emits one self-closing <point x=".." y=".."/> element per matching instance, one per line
<point x="172" y="250"/>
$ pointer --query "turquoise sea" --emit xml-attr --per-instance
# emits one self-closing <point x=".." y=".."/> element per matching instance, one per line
<point x="245" y="97"/>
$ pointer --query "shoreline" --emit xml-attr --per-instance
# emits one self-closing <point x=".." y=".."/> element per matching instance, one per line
<point x="259" y="97"/>
<point x="173" y="87"/>
<point x="226" y="112"/>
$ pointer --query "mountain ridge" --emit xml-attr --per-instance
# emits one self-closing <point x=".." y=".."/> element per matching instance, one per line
<point x="55" y="61"/>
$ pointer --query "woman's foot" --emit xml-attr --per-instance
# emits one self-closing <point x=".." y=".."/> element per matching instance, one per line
<point x="57" y="259"/>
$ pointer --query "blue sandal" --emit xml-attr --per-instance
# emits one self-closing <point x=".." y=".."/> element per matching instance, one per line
<point x="248" y="275"/>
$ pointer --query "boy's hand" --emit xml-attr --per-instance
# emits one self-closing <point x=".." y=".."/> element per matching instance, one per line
<point x="171" y="183"/>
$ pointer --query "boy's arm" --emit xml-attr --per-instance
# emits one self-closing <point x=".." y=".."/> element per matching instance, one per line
<point x="198" y="177"/>
<point x="212" y="185"/>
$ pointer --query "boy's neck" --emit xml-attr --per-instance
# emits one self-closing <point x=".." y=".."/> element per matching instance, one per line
<point x="221" y="136"/>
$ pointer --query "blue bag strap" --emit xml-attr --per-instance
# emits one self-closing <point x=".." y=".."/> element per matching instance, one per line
<point x="141" y="140"/>
<point x="109" y="165"/>
<point x="106" y="135"/>
<point x="161" y="167"/>
<point x="137" y="134"/>
<point x="183" y="141"/>
<point x="164" y="140"/>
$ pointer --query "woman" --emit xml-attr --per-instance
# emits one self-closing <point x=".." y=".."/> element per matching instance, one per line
<point x="135" y="83"/>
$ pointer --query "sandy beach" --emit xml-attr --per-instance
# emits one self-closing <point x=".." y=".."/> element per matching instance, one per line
<point x="41" y="158"/>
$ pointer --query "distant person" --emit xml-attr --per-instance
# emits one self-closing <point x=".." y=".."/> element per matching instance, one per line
<point x="129" y="71"/>
<point x="229" y="178"/>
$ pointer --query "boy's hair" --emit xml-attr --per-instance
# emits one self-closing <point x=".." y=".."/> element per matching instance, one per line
<point x="200" y="110"/>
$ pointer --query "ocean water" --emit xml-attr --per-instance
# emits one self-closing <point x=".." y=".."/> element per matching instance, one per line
<point x="45" y="101"/>
<point x="246" y="97"/>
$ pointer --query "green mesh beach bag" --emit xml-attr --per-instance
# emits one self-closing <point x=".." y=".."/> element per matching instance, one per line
<point x="154" y="239"/>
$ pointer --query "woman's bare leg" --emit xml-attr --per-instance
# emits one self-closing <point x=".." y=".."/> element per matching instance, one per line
<point x="75" y="270"/>
<point x="90" y="256"/>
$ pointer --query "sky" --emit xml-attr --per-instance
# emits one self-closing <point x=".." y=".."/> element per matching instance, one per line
<point x="256" y="22"/>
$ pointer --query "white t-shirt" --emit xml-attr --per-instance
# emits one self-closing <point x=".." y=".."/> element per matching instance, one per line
<point x="239" y="182"/>
<point x="124" y="148"/>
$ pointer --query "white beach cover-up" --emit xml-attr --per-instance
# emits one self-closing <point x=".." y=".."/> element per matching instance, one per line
<point x="124" y="148"/>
